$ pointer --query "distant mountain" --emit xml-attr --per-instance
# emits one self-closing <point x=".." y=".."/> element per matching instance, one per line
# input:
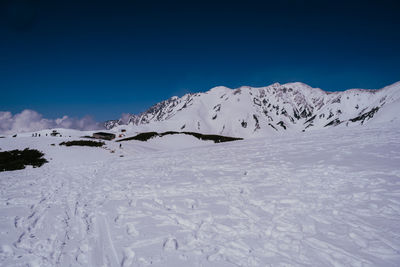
<point x="249" y="111"/>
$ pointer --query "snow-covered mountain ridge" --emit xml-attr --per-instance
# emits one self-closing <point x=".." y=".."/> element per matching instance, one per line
<point x="250" y="111"/>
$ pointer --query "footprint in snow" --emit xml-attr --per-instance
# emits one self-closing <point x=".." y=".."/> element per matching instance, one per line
<point x="170" y="244"/>
<point x="128" y="256"/>
<point x="131" y="230"/>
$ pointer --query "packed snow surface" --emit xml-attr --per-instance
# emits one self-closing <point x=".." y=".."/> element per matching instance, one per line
<point x="322" y="198"/>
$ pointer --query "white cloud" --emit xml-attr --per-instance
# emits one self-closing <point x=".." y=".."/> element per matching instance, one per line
<point x="30" y="120"/>
<point x="125" y="118"/>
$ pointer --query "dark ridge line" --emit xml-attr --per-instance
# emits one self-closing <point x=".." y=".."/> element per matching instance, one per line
<point x="205" y="137"/>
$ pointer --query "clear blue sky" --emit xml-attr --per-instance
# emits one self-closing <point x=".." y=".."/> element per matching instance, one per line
<point x="104" y="58"/>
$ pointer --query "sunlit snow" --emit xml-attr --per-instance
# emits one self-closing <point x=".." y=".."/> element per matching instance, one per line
<point x="320" y="198"/>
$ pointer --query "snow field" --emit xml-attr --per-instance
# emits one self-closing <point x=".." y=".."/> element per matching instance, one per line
<point x="324" y="198"/>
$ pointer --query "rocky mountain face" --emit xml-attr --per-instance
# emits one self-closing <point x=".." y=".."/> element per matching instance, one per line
<point x="249" y="111"/>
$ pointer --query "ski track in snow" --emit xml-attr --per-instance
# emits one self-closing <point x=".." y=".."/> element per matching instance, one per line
<point x="325" y="198"/>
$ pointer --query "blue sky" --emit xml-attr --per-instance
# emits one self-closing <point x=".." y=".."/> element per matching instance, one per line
<point x="106" y="58"/>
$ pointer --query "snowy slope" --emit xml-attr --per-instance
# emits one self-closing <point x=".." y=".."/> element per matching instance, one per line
<point x="323" y="198"/>
<point x="252" y="112"/>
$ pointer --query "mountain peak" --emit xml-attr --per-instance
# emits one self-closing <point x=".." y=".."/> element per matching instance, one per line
<point x="250" y="111"/>
<point x="219" y="89"/>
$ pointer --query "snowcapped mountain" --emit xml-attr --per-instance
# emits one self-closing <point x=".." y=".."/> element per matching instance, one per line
<point x="249" y="111"/>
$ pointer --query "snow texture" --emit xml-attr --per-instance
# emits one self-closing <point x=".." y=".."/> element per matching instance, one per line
<point x="320" y="198"/>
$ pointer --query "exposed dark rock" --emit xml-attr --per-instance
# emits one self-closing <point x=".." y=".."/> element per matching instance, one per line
<point x="333" y="123"/>
<point x="310" y="119"/>
<point x="272" y="126"/>
<point x="365" y="116"/>
<point x="296" y="114"/>
<point x="257" y="122"/>
<point x="282" y="124"/>
<point x="217" y="108"/>
<point x="257" y="101"/>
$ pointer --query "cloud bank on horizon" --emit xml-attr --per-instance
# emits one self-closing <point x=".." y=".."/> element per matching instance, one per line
<point x="30" y="120"/>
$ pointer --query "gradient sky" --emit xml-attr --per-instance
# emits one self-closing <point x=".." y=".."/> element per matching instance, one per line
<point x="104" y="58"/>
